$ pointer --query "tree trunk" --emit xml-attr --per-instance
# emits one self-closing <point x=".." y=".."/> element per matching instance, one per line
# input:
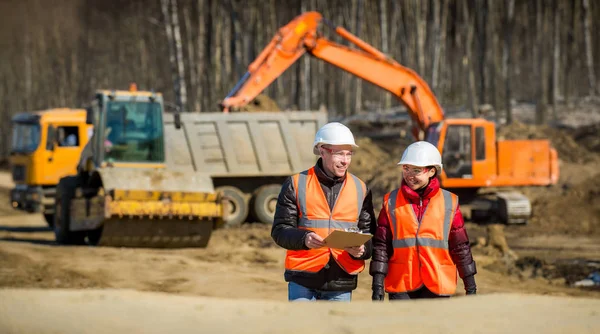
<point x="273" y="17"/>
<point x="421" y="32"/>
<point x="217" y="59"/>
<point x="482" y="21"/>
<point x="468" y="60"/>
<point x="587" y="33"/>
<point x="28" y="50"/>
<point x="200" y="103"/>
<point x="437" y="44"/>
<point x="170" y="46"/>
<point x="192" y="65"/>
<point x="180" y="83"/>
<point x="306" y="70"/>
<point x="542" y="31"/>
<point x="555" y="56"/>
<point x="358" y="81"/>
<point x="237" y="39"/>
<point x="507" y="57"/>
<point x="385" y="42"/>
<point x="569" y="50"/>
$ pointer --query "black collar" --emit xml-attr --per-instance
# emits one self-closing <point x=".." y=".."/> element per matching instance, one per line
<point x="326" y="179"/>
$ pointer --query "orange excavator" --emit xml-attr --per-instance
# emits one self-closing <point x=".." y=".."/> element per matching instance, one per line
<point x="474" y="159"/>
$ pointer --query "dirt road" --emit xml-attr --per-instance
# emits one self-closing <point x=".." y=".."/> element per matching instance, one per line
<point x="126" y="311"/>
<point x="236" y="283"/>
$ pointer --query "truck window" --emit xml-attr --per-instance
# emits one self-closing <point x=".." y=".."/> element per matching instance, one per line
<point x="134" y="132"/>
<point x="50" y="138"/>
<point x="68" y="136"/>
<point x="25" y="137"/>
<point x="479" y="143"/>
<point x="457" y="151"/>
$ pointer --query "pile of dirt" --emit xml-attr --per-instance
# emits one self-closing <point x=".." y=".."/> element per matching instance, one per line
<point x="571" y="209"/>
<point x="22" y="271"/>
<point x="254" y="246"/>
<point x="588" y="136"/>
<point x="260" y="103"/>
<point x="569" y="149"/>
<point x="375" y="163"/>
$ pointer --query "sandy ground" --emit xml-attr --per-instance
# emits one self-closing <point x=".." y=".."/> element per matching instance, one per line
<point x="127" y="311"/>
<point x="236" y="283"/>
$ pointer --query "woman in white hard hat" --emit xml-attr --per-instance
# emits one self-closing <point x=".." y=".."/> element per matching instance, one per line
<point x="421" y="241"/>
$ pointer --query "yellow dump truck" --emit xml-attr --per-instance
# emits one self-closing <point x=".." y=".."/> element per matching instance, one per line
<point x="46" y="146"/>
<point x="124" y="192"/>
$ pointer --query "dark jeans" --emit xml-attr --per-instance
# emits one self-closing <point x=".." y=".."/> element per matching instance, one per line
<point x="417" y="294"/>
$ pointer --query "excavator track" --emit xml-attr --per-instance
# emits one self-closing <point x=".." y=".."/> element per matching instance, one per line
<point x="513" y="207"/>
<point x="155" y="233"/>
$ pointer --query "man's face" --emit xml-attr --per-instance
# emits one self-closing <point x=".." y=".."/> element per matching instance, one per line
<point x="336" y="159"/>
<point x="416" y="177"/>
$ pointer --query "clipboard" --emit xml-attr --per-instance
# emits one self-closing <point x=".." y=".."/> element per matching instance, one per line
<point x="341" y="239"/>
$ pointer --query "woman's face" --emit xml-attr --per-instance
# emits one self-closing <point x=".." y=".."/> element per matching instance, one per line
<point x="417" y="177"/>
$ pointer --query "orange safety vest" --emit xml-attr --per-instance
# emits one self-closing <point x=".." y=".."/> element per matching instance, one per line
<point x="421" y="255"/>
<point x="315" y="215"/>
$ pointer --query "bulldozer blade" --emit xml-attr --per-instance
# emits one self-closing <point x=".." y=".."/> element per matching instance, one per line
<point x="155" y="233"/>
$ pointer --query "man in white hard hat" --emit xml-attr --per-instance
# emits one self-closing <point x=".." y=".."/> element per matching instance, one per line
<point x="312" y="204"/>
<point x="421" y="241"/>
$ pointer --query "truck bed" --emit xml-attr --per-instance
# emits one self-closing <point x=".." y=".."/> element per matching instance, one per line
<point x="243" y="144"/>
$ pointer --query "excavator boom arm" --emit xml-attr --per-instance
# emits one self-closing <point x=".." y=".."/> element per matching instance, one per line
<point x="301" y="36"/>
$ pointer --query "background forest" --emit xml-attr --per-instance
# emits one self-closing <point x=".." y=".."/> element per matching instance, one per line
<point x="471" y="52"/>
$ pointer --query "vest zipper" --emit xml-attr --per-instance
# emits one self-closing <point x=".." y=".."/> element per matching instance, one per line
<point x="332" y="198"/>
<point x="417" y="236"/>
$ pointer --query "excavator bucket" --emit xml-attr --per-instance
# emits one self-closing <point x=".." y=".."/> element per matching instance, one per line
<point x="155" y="208"/>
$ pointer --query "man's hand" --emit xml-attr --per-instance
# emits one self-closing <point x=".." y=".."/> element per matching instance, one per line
<point x="357" y="251"/>
<point x="313" y="240"/>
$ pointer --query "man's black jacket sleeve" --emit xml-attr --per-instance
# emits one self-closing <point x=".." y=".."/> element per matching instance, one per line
<point x="285" y="229"/>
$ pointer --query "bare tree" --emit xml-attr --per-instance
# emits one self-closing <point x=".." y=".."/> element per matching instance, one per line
<point x="201" y="46"/>
<point x="542" y="63"/>
<point x="468" y="58"/>
<point x="589" y="57"/>
<point x="305" y="70"/>
<point x="421" y="34"/>
<point x="556" y="7"/>
<point x="218" y="49"/>
<point x="171" y="46"/>
<point x="481" y="20"/>
<point x="358" y="82"/>
<point x="507" y="56"/>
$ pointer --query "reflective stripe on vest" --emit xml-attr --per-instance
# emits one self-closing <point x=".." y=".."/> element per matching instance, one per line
<point x="314" y="215"/>
<point x="421" y="255"/>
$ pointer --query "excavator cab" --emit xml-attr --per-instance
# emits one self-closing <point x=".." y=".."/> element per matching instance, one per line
<point x="124" y="193"/>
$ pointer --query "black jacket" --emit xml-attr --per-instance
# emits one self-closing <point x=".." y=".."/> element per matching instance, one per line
<point x="286" y="234"/>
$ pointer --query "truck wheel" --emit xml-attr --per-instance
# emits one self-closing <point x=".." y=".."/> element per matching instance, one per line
<point x="236" y="205"/>
<point x="264" y="202"/>
<point x="64" y="192"/>
<point x="49" y="217"/>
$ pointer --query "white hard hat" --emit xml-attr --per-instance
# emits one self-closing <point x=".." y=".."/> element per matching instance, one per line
<point x="422" y="154"/>
<point x="333" y="133"/>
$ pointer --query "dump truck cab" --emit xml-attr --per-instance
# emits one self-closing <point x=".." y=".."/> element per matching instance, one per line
<point x="45" y="146"/>
<point x="124" y="193"/>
